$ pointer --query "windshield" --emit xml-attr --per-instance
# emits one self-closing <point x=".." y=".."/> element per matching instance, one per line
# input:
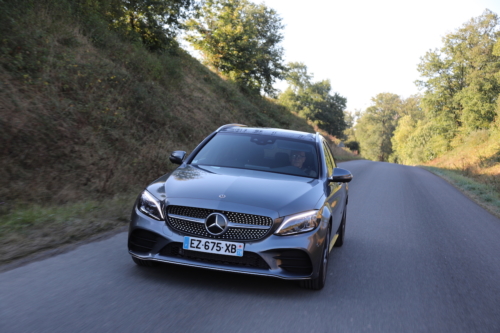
<point x="260" y="152"/>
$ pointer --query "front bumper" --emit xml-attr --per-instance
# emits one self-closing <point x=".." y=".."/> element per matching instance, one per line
<point x="295" y="257"/>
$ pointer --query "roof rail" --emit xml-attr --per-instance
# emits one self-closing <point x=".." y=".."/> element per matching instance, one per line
<point x="230" y="125"/>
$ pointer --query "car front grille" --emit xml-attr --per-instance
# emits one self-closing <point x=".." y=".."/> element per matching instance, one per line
<point x="257" y="226"/>
<point x="249" y="259"/>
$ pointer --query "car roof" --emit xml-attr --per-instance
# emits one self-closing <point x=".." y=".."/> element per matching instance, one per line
<point x="284" y="133"/>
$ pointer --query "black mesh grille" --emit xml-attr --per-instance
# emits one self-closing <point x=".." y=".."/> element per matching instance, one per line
<point x="249" y="219"/>
<point x="249" y="259"/>
<point x="142" y="240"/>
<point x="198" y="229"/>
<point x="295" y="261"/>
<point x="202" y="213"/>
<point x="199" y="213"/>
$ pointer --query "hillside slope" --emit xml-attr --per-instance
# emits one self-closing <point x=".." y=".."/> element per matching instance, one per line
<point x="88" y="118"/>
<point x="86" y="114"/>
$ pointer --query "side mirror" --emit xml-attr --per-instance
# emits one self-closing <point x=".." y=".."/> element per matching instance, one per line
<point x="177" y="156"/>
<point x="340" y="176"/>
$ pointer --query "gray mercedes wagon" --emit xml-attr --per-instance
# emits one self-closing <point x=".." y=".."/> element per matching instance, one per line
<point x="259" y="201"/>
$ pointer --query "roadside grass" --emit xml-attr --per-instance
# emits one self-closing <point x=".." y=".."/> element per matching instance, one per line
<point x="483" y="194"/>
<point x="473" y="166"/>
<point x="476" y="156"/>
<point x="29" y="229"/>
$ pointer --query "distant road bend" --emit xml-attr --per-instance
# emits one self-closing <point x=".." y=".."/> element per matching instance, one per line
<point x="418" y="257"/>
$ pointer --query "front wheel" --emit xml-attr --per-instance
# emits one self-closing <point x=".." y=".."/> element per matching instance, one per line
<point x="319" y="282"/>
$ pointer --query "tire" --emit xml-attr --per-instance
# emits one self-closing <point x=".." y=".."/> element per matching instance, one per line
<point x="341" y="232"/>
<point x="144" y="263"/>
<point x="319" y="282"/>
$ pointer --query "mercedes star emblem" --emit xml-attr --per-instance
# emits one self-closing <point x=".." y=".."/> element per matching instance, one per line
<point x="216" y="223"/>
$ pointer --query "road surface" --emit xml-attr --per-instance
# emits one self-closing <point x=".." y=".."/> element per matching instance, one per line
<point x="418" y="257"/>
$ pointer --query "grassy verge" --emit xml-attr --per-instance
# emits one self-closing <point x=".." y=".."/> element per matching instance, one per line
<point x="486" y="195"/>
<point x="473" y="166"/>
<point x="26" y="230"/>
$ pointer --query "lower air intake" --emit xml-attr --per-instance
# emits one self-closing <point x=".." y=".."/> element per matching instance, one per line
<point x="142" y="240"/>
<point x="295" y="261"/>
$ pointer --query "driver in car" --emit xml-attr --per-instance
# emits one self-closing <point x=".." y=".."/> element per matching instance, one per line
<point x="297" y="159"/>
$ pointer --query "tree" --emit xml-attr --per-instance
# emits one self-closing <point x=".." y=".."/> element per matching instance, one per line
<point x="313" y="101"/>
<point x="376" y="125"/>
<point x="240" y="40"/>
<point x="496" y="52"/>
<point x="416" y="137"/>
<point x="349" y="134"/>
<point x="155" y="23"/>
<point x="460" y="79"/>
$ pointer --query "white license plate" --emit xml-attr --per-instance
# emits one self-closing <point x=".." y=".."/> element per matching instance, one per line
<point x="213" y="246"/>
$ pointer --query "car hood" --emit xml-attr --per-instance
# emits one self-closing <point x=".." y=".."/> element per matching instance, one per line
<point x="246" y="191"/>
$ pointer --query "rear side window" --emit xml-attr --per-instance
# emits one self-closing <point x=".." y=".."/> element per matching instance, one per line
<point x="330" y="162"/>
<point x="331" y="154"/>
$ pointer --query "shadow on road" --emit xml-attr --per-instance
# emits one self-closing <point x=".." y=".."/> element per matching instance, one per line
<point x="182" y="277"/>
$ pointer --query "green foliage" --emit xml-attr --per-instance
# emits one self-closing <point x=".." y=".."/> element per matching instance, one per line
<point x="376" y="125"/>
<point x="462" y="86"/>
<point x="417" y="141"/>
<point x="416" y="137"/>
<point x="240" y="40"/>
<point x="353" y="146"/>
<point x="461" y="79"/>
<point x="313" y="101"/>
<point x="154" y="23"/>
<point x="349" y="134"/>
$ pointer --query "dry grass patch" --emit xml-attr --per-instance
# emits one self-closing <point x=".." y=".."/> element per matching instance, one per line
<point x="25" y="230"/>
<point x="476" y="156"/>
<point x="474" y="167"/>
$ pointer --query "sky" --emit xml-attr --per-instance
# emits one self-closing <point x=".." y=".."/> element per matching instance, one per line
<point x="370" y="46"/>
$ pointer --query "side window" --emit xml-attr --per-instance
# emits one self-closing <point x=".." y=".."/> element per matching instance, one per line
<point x="331" y="153"/>
<point x="330" y="164"/>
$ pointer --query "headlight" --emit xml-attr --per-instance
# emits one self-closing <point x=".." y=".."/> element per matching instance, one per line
<point x="295" y="224"/>
<point x="150" y="206"/>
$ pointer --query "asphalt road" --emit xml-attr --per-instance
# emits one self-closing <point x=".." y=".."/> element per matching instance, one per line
<point x="418" y="257"/>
